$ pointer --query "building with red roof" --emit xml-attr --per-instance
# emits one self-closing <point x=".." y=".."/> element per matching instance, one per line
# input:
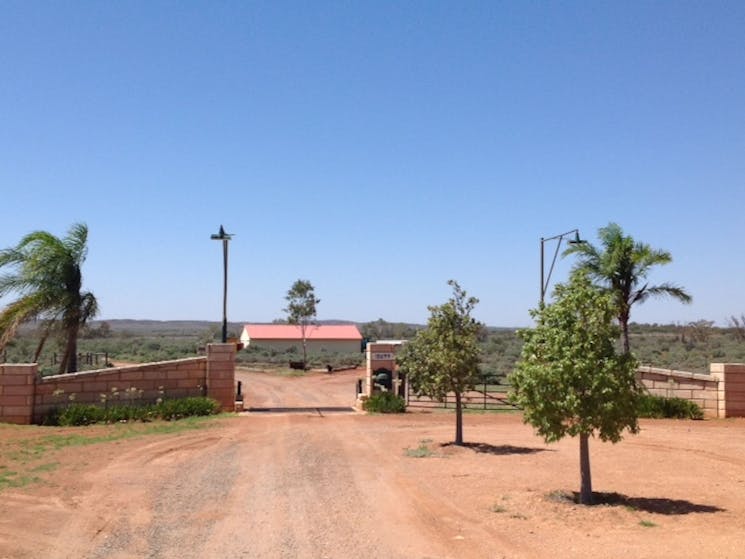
<point x="336" y="338"/>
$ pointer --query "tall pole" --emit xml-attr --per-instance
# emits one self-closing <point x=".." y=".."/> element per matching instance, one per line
<point x="558" y="239"/>
<point x="225" y="291"/>
<point x="543" y="288"/>
<point x="224" y="237"/>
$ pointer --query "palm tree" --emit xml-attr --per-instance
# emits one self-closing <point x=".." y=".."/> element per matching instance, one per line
<point x="46" y="275"/>
<point x="621" y="265"/>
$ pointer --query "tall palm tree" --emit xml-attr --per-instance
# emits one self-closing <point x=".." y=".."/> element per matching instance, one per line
<point x="45" y="273"/>
<point x="621" y="265"/>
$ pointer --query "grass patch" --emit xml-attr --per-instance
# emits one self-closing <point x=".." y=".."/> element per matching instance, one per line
<point x="422" y="451"/>
<point x="647" y="523"/>
<point x="13" y="479"/>
<point x="497" y="508"/>
<point x="30" y="456"/>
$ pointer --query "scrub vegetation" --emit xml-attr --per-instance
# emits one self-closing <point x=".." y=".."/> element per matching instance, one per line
<point x="685" y="347"/>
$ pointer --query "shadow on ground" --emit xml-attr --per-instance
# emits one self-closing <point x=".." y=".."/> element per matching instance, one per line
<point x="500" y="450"/>
<point x="320" y="410"/>
<point x="649" y="504"/>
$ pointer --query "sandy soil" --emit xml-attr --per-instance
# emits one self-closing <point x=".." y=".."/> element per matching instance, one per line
<point x="312" y="480"/>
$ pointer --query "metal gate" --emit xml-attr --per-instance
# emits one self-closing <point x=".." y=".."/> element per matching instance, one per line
<point x="489" y="394"/>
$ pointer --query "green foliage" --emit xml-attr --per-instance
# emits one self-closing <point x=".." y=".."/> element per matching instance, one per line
<point x="45" y="273"/>
<point x="676" y="408"/>
<point x="301" y="303"/>
<point x="444" y="357"/>
<point x="77" y="414"/>
<point x="186" y="407"/>
<point x="570" y="379"/>
<point x="422" y="451"/>
<point x="301" y="308"/>
<point x="385" y="402"/>
<point x="383" y="330"/>
<point x="622" y="267"/>
<point x="260" y="355"/>
<point x="88" y="414"/>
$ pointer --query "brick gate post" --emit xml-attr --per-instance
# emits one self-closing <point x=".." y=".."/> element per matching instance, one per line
<point x="17" y="388"/>
<point x="731" y="388"/>
<point x="221" y="374"/>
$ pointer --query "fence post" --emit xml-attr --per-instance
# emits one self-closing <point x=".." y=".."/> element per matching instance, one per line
<point x="484" y="392"/>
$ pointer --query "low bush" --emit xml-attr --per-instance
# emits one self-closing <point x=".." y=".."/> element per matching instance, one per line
<point x="186" y="407"/>
<point x="385" y="402"/>
<point x="659" y="407"/>
<point x="88" y="414"/>
<point x="79" y="414"/>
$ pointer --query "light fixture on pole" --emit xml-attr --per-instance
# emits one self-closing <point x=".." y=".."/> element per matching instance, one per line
<point x="575" y="241"/>
<point x="224" y="237"/>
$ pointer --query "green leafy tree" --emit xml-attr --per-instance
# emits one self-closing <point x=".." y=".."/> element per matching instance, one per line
<point x="570" y="380"/>
<point x="301" y="310"/>
<point x="622" y="265"/>
<point x="444" y="357"/>
<point x="45" y="272"/>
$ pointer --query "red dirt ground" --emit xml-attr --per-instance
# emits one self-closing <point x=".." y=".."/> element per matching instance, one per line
<point x="318" y="483"/>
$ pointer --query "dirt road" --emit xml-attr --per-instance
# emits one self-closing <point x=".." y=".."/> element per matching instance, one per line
<point x="303" y="483"/>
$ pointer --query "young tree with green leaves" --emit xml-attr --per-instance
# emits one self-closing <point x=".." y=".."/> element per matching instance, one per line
<point x="45" y="271"/>
<point x="570" y="380"/>
<point x="301" y="310"/>
<point x="621" y="266"/>
<point x="444" y="357"/>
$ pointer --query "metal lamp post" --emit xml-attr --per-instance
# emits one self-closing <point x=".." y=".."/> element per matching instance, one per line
<point x="575" y="241"/>
<point x="224" y="237"/>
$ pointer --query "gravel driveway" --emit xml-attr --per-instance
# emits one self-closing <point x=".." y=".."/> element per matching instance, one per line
<point x="307" y="484"/>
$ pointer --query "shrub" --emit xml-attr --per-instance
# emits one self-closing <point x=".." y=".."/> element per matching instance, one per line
<point x="186" y="407"/>
<point x="660" y="407"/>
<point x="80" y="414"/>
<point x="87" y="414"/>
<point x="385" y="402"/>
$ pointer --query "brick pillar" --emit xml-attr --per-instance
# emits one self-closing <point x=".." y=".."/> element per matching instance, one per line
<point x="731" y="388"/>
<point x="17" y="384"/>
<point x="221" y="374"/>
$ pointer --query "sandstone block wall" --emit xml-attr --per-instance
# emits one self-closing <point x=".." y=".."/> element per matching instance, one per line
<point x="26" y="397"/>
<point x="700" y="389"/>
<point x="123" y="385"/>
<point x="221" y="374"/>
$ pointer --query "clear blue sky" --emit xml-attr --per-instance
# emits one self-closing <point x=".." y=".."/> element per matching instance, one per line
<point x="377" y="149"/>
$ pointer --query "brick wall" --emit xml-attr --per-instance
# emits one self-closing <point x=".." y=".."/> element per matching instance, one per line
<point x="704" y="390"/>
<point x="731" y="388"/>
<point x="25" y="397"/>
<point x="221" y="374"/>
<point x="137" y="383"/>
<point x="17" y="393"/>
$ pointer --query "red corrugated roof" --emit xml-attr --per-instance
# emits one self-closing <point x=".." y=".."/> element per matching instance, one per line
<point x="312" y="332"/>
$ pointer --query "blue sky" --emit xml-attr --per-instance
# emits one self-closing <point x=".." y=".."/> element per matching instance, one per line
<point x="377" y="149"/>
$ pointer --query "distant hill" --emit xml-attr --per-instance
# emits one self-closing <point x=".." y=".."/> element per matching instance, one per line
<point x="190" y="327"/>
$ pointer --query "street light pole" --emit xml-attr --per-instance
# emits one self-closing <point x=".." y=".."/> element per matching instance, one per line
<point x="224" y="237"/>
<point x="545" y="280"/>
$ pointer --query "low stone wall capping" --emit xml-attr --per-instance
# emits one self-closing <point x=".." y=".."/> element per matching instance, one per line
<point x="25" y="396"/>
